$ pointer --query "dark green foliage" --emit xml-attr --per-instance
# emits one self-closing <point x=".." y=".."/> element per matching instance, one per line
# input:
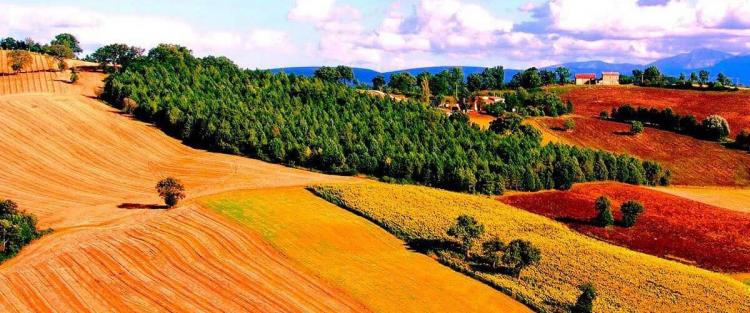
<point x="17" y="229"/>
<point x="403" y="83"/>
<point x="713" y="127"/>
<point x="630" y="212"/>
<point x="563" y="75"/>
<point x="211" y="103"/>
<point x="69" y="41"/>
<point x="536" y="103"/>
<point x="338" y="74"/>
<point x="378" y="82"/>
<point x="171" y="190"/>
<point x="73" y="75"/>
<point x="116" y="55"/>
<point x="519" y="254"/>
<point x="604" y="215"/>
<point x="492" y="251"/>
<point x="742" y="141"/>
<point x="508" y="123"/>
<point x="585" y="302"/>
<point x="569" y="124"/>
<point x="466" y="230"/>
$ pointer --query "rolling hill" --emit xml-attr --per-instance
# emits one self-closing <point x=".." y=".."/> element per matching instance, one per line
<point x="88" y="171"/>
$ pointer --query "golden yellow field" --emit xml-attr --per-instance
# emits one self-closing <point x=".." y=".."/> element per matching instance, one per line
<point x="737" y="199"/>
<point x="626" y="281"/>
<point x="359" y="257"/>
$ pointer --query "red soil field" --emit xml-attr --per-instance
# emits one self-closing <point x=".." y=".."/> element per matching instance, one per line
<point x="734" y="106"/>
<point x="671" y="227"/>
<point x="692" y="161"/>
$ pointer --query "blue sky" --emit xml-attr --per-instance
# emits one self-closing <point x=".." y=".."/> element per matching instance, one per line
<point x="393" y="34"/>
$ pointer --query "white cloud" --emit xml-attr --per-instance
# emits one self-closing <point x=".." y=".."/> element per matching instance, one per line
<point x="95" y="29"/>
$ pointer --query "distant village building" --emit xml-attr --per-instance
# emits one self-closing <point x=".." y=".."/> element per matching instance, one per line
<point x="585" y="78"/>
<point x="479" y="102"/>
<point x="610" y="78"/>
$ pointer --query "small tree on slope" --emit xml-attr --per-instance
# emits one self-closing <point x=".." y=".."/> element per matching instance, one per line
<point x="466" y="230"/>
<point x="171" y="190"/>
<point x="603" y="208"/>
<point x="585" y="302"/>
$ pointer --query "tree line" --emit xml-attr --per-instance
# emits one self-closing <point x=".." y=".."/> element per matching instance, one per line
<point x="713" y="127"/>
<point x="63" y="46"/>
<point x="652" y="77"/>
<point x="211" y="103"/>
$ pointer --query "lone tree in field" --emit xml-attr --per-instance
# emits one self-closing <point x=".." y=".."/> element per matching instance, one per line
<point x="69" y="41"/>
<point x="60" y="53"/>
<point x="18" y="60"/>
<point x="630" y="212"/>
<point x="636" y="128"/>
<point x="585" y="302"/>
<point x="171" y="190"/>
<point x="466" y="230"/>
<point x="603" y="208"/>
<point x="519" y="254"/>
<point x="493" y="251"/>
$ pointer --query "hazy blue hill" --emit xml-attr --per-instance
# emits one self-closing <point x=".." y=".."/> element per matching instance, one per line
<point x="691" y="61"/>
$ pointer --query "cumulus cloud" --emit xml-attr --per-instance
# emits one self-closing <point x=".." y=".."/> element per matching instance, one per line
<point x="95" y="29"/>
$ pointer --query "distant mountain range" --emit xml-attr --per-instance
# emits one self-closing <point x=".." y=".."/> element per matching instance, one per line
<point x="715" y="62"/>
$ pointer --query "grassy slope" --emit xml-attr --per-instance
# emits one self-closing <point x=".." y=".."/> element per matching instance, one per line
<point x="626" y="280"/>
<point x="361" y="258"/>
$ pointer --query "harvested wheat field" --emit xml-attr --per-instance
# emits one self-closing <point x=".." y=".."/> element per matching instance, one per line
<point x="671" y="227"/>
<point x="732" y="105"/>
<point x="626" y="281"/>
<point x="39" y="62"/>
<point x="692" y="161"/>
<point x="88" y="171"/>
<point x="357" y="255"/>
<point x="737" y="199"/>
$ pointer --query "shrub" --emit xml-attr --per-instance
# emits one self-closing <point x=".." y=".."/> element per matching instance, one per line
<point x="18" y="60"/>
<point x="519" y="254"/>
<point x="715" y="127"/>
<point x="585" y="302"/>
<point x="569" y="124"/>
<point x="636" y="128"/>
<point x="630" y="212"/>
<point x="604" y="212"/>
<point x="17" y="229"/>
<point x="492" y="250"/>
<point x="604" y="115"/>
<point x="171" y="190"/>
<point x="466" y="230"/>
<point x="506" y="124"/>
<point x="742" y="140"/>
<point x="73" y="75"/>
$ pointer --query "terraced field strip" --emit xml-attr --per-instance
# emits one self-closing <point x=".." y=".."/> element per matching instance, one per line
<point x="359" y="257"/>
<point x="184" y="260"/>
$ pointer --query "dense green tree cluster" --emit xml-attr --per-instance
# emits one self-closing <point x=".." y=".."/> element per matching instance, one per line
<point x="211" y="103"/>
<point x="17" y="229"/>
<point x="713" y="127"/>
<point x="116" y="56"/>
<point x="63" y="45"/>
<point x="338" y="74"/>
<point x="535" y="103"/>
<point x="491" y="78"/>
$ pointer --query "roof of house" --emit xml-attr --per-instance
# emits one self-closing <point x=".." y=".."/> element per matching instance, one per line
<point x="610" y="73"/>
<point x="586" y="76"/>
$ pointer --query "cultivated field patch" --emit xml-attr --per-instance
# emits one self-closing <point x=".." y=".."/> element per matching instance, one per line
<point x="358" y="256"/>
<point x="692" y="161"/>
<point x="671" y="227"/>
<point x="626" y="280"/>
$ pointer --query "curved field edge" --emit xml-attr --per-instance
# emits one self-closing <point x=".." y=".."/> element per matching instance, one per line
<point x="357" y="256"/>
<point x="625" y="280"/>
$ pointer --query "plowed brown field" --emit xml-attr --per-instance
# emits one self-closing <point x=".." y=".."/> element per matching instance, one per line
<point x="734" y="106"/>
<point x="88" y="171"/>
<point x="692" y="161"/>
